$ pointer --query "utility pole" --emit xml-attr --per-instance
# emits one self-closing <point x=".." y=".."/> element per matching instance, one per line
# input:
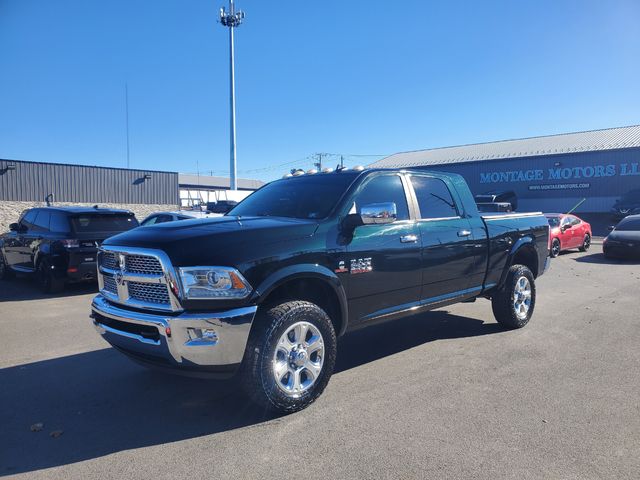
<point x="232" y="19"/>
<point x="318" y="164"/>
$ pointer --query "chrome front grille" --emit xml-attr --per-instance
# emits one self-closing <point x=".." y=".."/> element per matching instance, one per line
<point x="110" y="284"/>
<point x="108" y="260"/>
<point x="143" y="264"/>
<point x="137" y="277"/>
<point x="149" y="292"/>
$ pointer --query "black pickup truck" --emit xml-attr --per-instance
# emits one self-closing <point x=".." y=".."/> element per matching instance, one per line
<point x="265" y="290"/>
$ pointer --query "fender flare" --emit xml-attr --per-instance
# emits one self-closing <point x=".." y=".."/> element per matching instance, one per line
<point x="302" y="271"/>
<point x="523" y="242"/>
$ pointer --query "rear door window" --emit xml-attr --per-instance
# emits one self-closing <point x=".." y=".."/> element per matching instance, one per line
<point x="434" y="198"/>
<point x="59" y="223"/>
<point x="90" y="223"/>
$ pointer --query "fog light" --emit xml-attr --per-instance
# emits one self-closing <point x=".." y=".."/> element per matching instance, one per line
<point x="202" y="335"/>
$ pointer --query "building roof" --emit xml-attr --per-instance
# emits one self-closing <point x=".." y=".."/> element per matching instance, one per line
<point x="593" y="140"/>
<point x="205" y="181"/>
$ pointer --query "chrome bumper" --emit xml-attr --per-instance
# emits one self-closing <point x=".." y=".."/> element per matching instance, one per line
<point x="188" y="340"/>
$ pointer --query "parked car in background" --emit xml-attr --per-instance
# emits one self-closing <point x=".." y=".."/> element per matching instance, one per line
<point x="628" y="204"/>
<point x="164" y="217"/>
<point x="221" y="206"/>
<point x="58" y="245"/>
<point x="498" y="196"/>
<point x="567" y="232"/>
<point x="624" y="239"/>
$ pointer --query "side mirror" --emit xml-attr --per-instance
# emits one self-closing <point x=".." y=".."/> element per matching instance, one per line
<point x="611" y="227"/>
<point x="14" y="227"/>
<point x="378" y="213"/>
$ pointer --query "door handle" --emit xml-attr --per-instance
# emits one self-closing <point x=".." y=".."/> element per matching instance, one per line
<point x="464" y="233"/>
<point x="409" y="238"/>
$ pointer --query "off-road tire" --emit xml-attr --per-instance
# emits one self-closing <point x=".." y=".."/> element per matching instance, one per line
<point x="47" y="282"/>
<point x="503" y="303"/>
<point x="256" y="374"/>
<point x="556" y="248"/>
<point x="586" y="243"/>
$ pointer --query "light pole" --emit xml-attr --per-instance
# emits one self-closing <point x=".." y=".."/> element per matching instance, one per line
<point x="232" y="19"/>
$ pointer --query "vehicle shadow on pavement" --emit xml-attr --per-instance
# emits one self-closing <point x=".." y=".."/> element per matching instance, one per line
<point x="24" y="288"/>
<point x="599" y="258"/>
<point x="103" y="403"/>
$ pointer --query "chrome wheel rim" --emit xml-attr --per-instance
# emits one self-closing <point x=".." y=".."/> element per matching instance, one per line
<point x="522" y="297"/>
<point x="587" y="242"/>
<point x="298" y="359"/>
<point x="555" y="247"/>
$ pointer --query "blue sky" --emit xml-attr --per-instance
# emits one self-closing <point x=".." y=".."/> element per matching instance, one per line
<point x="356" y="77"/>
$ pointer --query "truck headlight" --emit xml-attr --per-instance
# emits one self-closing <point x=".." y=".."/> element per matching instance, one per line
<point x="213" y="282"/>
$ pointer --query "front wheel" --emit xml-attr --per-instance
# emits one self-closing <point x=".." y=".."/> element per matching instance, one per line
<point x="289" y="357"/>
<point x="513" y="304"/>
<point x="555" y="248"/>
<point x="586" y="243"/>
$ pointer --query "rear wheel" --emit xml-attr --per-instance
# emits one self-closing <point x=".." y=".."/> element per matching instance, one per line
<point x="513" y="304"/>
<point x="46" y="280"/>
<point x="586" y="243"/>
<point x="290" y="356"/>
<point x="555" y="248"/>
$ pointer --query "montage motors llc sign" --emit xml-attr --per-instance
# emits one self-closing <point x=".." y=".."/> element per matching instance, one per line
<point x="562" y="177"/>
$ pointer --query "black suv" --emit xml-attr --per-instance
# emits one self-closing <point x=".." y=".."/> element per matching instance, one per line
<point x="59" y="244"/>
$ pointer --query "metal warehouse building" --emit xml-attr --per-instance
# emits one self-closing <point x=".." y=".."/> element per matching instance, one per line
<point x="26" y="184"/>
<point x="549" y="174"/>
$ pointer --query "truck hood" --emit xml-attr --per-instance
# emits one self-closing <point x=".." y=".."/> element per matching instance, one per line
<point x="225" y="240"/>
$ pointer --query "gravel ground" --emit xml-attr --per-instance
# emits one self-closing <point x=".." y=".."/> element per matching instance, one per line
<point x="447" y="394"/>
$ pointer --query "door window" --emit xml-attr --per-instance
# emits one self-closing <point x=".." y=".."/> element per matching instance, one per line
<point x="384" y="189"/>
<point x="150" y="221"/>
<point x="28" y="219"/>
<point x="434" y="198"/>
<point x="41" y="223"/>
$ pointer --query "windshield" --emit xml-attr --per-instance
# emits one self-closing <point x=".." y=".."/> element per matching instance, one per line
<point x="90" y="223"/>
<point x="629" y="225"/>
<point x="553" y="221"/>
<point x="303" y="197"/>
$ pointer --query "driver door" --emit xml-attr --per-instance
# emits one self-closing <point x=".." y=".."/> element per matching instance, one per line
<point x="383" y="260"/>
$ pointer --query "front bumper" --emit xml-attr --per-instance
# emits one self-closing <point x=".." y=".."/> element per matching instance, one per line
<point x="210" y="344"/>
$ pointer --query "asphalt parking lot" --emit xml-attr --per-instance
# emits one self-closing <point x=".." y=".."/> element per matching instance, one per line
<point x="447" y="394"/>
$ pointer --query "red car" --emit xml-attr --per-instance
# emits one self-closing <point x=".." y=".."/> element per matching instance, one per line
<point x="567" y="231"/>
